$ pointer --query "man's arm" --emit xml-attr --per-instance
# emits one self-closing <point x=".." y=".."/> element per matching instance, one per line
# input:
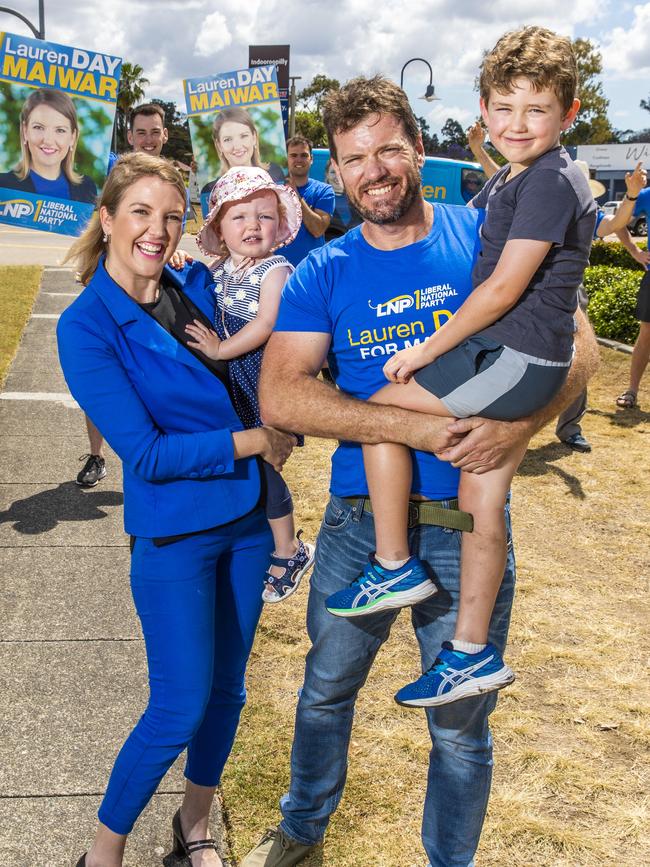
<point x="315" y="221"/>
<point x="641" y="256"/>
<point x="291" y="398"/>
<point x="486" y="443"/>
<point x="475" y="139"/>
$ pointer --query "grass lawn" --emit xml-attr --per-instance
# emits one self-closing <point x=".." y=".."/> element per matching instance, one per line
<point x="572" y="735"/>
<point x="18" y="287"/>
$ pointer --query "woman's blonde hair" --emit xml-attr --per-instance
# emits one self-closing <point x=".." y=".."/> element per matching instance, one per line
<point x="236" y="115"/>
<point x="61" y="102"/>
<point x="88" y="249"/>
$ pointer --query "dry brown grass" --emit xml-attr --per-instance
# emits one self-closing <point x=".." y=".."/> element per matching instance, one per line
<point x="18" y="287"/>
<point x="572" y="736"/>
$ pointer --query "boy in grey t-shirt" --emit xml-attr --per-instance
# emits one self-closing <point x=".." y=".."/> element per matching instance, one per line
<point x="505" y="353"/>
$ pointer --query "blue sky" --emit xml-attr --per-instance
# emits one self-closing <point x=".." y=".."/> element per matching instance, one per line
<point x="176" y="39"/>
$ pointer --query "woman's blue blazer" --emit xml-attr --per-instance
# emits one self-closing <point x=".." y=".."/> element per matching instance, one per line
<point x="162" y="411"/>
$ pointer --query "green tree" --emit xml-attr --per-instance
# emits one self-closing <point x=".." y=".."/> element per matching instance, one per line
<point x="178" y="146"/>
<point x="430" y="140"/>
<point x="592" y="125"/>
<point x="311" y="97"/>
<point x="453" y="135"/>
<point x="309" y="124"/>
<point x="129" y="93"/>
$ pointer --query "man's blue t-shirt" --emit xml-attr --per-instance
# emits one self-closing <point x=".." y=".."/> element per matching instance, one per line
<point x="374" y="303"/>
<point x="643" y="204"/>
<point x="317" y="195"/>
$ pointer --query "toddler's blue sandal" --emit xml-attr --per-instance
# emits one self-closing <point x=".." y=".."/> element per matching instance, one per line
<point x="279" y="588"/>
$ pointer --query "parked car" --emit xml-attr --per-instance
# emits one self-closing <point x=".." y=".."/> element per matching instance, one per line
<point x="453" y="182"/>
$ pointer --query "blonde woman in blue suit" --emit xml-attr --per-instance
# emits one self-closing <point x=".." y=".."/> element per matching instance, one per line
<point x="200" y="540"/>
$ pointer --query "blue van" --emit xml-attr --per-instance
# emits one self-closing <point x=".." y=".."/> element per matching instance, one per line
<point x="453" y="182"/>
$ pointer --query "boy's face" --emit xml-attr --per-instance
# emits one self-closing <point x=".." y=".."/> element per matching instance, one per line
<point x="525" y="123"/>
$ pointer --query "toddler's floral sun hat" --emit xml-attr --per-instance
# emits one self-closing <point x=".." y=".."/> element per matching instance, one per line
<point x="238" y="183"/>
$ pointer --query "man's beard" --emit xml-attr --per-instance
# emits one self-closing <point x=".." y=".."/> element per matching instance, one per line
<point x="390" y="212"/>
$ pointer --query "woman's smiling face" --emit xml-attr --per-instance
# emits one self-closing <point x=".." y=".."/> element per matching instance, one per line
<point x="49" y="136"/>
<point x="236" y="143"/>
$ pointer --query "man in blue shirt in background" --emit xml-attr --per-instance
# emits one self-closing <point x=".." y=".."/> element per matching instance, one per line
<point x="641" y="351"/>
<point x="316" y="199"/>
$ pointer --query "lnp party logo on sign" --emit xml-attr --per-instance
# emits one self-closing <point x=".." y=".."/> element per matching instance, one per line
<point x="17" y="209"/>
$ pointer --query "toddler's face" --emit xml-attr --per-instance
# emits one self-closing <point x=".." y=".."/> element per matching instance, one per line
<point x="250" y="226"/>
<point x="525" y="123"/>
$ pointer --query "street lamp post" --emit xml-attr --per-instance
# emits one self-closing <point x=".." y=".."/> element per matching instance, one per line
<point x="39" y="32"/>
<point x="429" y="94"/>
<point x="292" y="105"/>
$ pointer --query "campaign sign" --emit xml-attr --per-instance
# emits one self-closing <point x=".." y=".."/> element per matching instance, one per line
<point x="261" y="55"/>
<point x="235" y="119"/>
<point x="57" y="107"/>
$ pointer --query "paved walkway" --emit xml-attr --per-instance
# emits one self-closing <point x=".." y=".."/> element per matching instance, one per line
<point x="72" y="659"/>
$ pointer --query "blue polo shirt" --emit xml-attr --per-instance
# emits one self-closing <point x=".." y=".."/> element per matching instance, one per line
<point x="643" y="204"/>
<point x="317" y="195"/>
<point x="374" y="303"/>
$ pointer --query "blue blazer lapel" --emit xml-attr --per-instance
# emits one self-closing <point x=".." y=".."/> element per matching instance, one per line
<point x="136" y="324"/>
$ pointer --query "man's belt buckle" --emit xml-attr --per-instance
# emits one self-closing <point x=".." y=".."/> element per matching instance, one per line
<point x="414" y="514"/>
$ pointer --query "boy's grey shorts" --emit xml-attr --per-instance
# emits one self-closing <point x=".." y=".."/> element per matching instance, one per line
<point x="485" y="378"/>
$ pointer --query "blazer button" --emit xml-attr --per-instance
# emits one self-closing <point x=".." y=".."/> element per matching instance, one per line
<point x="206" y="472"/>
<point x="194" y="475"/>
<point x="219" y="468"/>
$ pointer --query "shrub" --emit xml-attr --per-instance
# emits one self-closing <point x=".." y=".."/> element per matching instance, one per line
<point x="612" y="301"/>
<point x="613" y="253"/>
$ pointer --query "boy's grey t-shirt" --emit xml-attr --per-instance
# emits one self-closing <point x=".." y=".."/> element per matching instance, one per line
<point x="548" y="201"/>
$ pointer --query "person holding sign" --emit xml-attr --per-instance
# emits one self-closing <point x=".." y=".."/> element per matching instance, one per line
<point x="199" y="539"/>
<point x="49" y="134"/>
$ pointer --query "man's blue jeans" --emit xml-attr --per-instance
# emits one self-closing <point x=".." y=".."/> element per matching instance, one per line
<point x="342" y="653"/>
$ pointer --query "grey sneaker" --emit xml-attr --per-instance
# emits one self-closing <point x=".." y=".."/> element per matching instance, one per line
<point x="277" y="849"/>
<point x="93" y="471"/>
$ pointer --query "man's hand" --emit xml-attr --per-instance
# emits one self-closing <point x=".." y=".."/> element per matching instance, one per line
<point x="486" y="443"/>
<point x="641" y="256"/>
<point x="476" y="136"/>
<point x="635" y="181"/>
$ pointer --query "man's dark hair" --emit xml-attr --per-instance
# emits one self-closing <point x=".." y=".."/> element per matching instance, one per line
<point x="298" y="140"/>
<point x="360" y="97"/>
<point x="148" y="109"/>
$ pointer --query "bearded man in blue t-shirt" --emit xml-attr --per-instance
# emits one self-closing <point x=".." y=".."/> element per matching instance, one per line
<point x="385" y="285"/>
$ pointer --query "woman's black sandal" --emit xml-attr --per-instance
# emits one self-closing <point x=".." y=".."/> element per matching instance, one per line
<point x="181" y="846"/>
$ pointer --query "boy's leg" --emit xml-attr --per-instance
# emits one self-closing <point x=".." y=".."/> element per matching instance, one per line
<point x="389" y="470"/>
<point x="483" y="554"/>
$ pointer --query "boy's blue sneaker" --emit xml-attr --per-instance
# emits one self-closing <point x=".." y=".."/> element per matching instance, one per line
<point x="378" y="589"/>
<point x="456" y="675"/>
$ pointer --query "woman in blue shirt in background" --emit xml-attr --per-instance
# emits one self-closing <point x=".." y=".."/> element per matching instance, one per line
<point x="49" y="133"/>
<point x="200" y="542"/>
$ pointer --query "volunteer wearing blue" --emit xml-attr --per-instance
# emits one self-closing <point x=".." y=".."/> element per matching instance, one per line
<point x="641" y="351"/>
<point x="317" y="201"/>
<point x="384" y="285"/>
<point x="49" y="134"/>
<point x="199" y="540"/>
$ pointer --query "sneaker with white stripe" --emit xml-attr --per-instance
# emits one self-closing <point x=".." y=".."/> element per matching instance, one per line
<point x="456" y="675"/>
<point x="379" y="589"/>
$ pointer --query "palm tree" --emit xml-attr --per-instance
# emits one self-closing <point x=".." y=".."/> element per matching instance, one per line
<point x="129" y="93"/>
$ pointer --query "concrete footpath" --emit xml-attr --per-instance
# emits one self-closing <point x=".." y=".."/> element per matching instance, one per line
<point x="72" y="660"/>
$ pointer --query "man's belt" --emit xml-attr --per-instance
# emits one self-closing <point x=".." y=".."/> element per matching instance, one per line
<point x="438" y="513"/>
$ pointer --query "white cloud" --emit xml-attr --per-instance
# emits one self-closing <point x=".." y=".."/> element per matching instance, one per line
<point x="214" y="35"/>
<point x="626" y="52"/>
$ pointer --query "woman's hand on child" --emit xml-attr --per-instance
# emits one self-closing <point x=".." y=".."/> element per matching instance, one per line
<point x="204" y="339"/>
<point x="635" y="181"/>
<point x="401" y="366"/>
<point x="278" y="446"/>
<point x="179" y="259"/>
